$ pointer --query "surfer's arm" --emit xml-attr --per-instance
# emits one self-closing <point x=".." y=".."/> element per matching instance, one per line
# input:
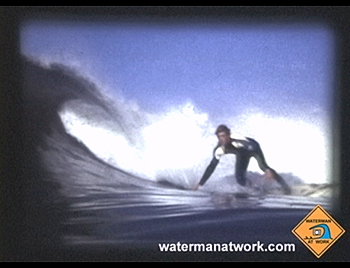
<point x="218" y="152"/>
<point x="210" y="169"/>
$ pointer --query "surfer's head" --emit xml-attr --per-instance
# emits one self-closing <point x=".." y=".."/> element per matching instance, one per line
<point x="223" y="133"/>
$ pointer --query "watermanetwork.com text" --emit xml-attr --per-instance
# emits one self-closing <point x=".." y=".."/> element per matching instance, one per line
<point x="226" y="247"/>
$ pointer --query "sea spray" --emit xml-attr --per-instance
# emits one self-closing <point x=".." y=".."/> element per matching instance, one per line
<point x="173" y="146"/>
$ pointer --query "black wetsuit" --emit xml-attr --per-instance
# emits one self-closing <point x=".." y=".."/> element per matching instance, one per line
<point x="244" y="148"/>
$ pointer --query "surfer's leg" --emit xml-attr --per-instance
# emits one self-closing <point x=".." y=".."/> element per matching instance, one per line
<point x="272" y="173"/>
<point x="242" y="161"/>
<point x="258" y="154"/>
<point x="269" y="172"/>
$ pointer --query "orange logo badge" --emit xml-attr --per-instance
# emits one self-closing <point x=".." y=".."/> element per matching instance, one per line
<point x="318" y="231"/>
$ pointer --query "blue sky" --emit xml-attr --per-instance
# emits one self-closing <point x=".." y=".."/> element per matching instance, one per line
<point x="221" y="68"/>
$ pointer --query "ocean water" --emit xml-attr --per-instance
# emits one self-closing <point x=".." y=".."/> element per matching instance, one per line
<point x="125" y="175"/>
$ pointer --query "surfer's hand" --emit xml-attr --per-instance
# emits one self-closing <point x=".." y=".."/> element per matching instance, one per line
<point x="196" y="187"/>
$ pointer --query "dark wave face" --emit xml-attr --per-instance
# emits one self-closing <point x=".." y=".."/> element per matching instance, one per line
<point x="96" y="167"/>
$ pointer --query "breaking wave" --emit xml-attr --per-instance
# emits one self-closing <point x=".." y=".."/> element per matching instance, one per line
<point x="87" y="136"/>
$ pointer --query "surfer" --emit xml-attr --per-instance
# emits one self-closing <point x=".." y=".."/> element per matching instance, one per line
<point x="244" y="148"/>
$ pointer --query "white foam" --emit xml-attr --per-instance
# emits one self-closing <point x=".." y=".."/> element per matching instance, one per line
<point x="177" y="145"/>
